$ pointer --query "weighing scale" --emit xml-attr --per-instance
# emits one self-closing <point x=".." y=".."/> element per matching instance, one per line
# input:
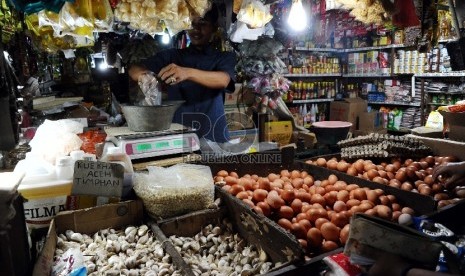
<point x="177" y="139"/>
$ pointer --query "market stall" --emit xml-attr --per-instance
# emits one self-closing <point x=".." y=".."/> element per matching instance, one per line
<point x="214" y="137"/>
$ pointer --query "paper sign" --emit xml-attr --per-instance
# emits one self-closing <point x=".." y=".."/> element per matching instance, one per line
<point x="98" y="178"/>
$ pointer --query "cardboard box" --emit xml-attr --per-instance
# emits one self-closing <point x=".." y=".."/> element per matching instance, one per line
<point x="455" y="123"/>
<point x="347" y="110"/>
<point x="370" y="121"/>
<point x="237" y="119"/>
<point x="279" y="132"/>
<point x="86" y="221"/>
<point x="231" y="98"/>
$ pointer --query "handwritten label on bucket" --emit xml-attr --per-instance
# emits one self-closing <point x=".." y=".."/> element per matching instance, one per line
<point x="98" y="178"/>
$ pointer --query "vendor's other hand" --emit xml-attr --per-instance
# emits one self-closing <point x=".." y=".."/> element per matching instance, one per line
<point x="454" y="173"/>
<point x="173" y="74"/>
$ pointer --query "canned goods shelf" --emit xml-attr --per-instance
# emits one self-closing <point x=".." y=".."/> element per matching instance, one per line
<point x="367" y="75"/>
<point x="396" y="103"/>
<point x="310" y="75"/>
<point x="312" y="101"/>
<point x="438" y="75"/>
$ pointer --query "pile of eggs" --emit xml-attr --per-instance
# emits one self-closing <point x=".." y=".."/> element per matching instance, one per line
<point x="317" y="212"/>
<point x="408" y="175"/>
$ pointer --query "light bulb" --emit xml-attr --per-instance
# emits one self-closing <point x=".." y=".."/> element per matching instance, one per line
<point x="297" y="18"/>
<point x="165" y="38"/>
<point x="103" y="65"/>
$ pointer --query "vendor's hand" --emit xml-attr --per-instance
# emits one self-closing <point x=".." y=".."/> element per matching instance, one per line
<point x="454" y="173"/>
<point x="173" y="74"/>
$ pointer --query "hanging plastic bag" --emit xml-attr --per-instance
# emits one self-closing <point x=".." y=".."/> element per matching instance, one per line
<point x="435" y="120"/>
<point x="77" y="19"/>
<point x="200" y="7"/>
<point x="176" y="190"/>
<point x="103" y="15"/>
<point x="254" y="13"/>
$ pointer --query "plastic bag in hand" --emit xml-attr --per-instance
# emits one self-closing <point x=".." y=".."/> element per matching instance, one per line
<point x="149" y="86"/>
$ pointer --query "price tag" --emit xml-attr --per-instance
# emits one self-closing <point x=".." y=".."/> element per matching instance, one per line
<point x="98" y="178"/>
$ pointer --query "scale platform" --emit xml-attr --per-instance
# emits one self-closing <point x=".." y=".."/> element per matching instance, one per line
<point x="177" y="139"/>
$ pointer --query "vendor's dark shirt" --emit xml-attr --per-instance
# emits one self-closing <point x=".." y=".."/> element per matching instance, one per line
<point x="203" y="108"/>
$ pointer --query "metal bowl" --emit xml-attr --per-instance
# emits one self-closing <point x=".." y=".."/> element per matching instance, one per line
<point x="330" y="132"/>
<point x="151" y="118"/>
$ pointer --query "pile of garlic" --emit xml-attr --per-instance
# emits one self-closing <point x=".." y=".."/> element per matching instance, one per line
<point x="217" y="251"/>
<point x="132" y="251"/>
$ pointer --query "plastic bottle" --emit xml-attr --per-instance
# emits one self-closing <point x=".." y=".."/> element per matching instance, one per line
<point x="64" y="168"/>
<point x="115" y="155"/>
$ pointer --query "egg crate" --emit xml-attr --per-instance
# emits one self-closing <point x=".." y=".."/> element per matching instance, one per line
<point x="374" y="138"/>
<point x="383" y="150"/>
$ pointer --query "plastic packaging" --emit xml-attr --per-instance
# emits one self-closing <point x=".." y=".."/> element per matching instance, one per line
<point x="115" y="155"/>
<point x="176" y="190"/>
<point x="65" y="168"/>
<point x="149" y="86"/>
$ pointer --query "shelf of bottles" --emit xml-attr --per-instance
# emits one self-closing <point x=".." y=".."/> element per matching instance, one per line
<point x="322" y="91"/>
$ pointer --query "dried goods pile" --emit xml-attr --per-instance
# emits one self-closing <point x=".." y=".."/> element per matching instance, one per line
<point x="407" y="174"/>
<point x="382" y="145"/>
<point x="217" y="251"/>
<point x="131" y="251"/>
<point x="317" y="212"/>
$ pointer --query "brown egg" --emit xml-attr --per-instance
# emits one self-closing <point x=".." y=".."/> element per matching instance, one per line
<point x="396" y="207"/>
<point x="305" y="223"/>
<point x="339" y="206"/>
<point x="288" y="195"/>
<point x="340" y="219"/>
<point x="352" y="202"/>
<point x="332" y="179"/>
<point x="286" y="212"/>
<point x="330" y="231"/>
<point x="317" y="198"/>
<point x="328" y="246"/>
<point x="384" y="211"/>
<point x="330" y="198"/>
<point x="285" y="223"/>
<point x="318" y="222"/>
<point x="344" y="235"/>
<point x="331" y="164"/>
<point x="299" y="231"/>
<point x="342" y="166"/>
<point x="285" y="173"/>
<point x="396" y="215"/>
<point x="372" y="173"/>
<point x="235" y="189"/>
<point x="360" y="194"/>
<point x="351" y="187"/>
<point x="390" y="175"/>
<point x="301" y="216"/>
<point x="266" y="209"/>
<point x="242" y="195"/>
<point x="380" y="180"/>
<point x="390" y="168"/>
<point x="428" y="179"/>
<point x="352" y="171"/>
<point x="222" y="173"/>
<point x="264" y="183"/>
<point x="406" y="186"/>
<point x="371" y="212"/>
<point x="314" y="238"/>
<point x="358" y="165"/>
<point x="321" y="162"/>
<point x="343" y="195"/>
<point x="441" y="196"/>
<point x="296" y="205"/>
<point x="401" y="176"/>
<point x="308" y="180"/>
<point x="408" y="210"/>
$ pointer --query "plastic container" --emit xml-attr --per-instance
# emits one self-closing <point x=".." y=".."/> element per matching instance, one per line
<point x="44" y="194"/>
<point x="65" y="168"/>
<point x="115" y="155"/>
